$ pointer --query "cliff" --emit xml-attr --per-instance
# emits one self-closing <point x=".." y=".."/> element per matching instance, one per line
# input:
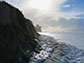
<point x="17" y="36"/>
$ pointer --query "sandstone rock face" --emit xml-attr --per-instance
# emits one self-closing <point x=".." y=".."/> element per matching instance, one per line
<point x="17" y="36"/>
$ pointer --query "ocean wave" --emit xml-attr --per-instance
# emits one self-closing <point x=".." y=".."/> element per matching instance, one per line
<point x="53" y="51"/>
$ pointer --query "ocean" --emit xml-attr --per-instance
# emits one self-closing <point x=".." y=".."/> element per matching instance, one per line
<point x="73" y="38"/>
<point x="53" y="52"/>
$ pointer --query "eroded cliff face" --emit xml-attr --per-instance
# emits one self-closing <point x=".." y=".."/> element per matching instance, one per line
<point x="17" y="36"/>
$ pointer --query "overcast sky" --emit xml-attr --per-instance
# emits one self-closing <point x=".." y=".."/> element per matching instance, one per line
<point x="53" y="15"/>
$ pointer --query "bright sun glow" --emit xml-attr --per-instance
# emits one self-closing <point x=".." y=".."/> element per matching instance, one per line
<point x="40" y="4"/>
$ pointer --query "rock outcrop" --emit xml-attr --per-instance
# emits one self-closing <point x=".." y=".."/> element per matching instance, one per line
<point x="38" y="28"/>
<point x="17" y="36"/>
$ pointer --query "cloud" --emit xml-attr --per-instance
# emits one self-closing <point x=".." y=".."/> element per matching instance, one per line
<point x="61" y="29"/>
<point x="64" y="25"/>
<point x="66" y="6"/>
<point x="52" y="11"/>
<point x="36" y="14"/>
<point x="52" y="18"/>
<point x="56" y="4"/>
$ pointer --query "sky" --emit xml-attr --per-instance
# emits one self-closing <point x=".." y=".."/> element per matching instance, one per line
<point x="53" y="15"/>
